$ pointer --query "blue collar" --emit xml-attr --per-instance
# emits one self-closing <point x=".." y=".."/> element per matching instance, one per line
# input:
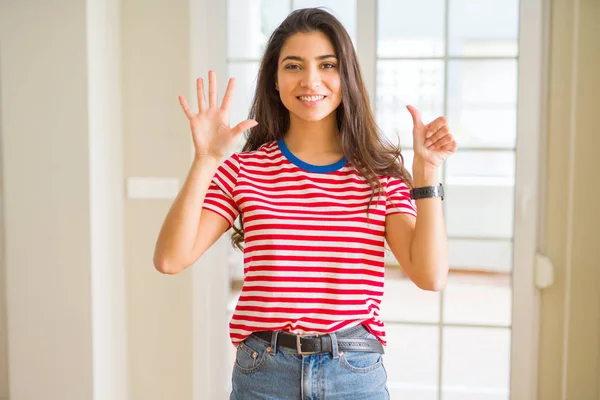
<point x="306" y="166"/>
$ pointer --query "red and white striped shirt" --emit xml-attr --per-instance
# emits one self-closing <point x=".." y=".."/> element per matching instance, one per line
<point x="313" y="259"/>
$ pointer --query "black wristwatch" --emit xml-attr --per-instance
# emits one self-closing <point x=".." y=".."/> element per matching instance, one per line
<point x="426" y="192"/>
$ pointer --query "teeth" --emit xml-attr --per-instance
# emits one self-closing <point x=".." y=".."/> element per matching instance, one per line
<point x="311" y="98"/>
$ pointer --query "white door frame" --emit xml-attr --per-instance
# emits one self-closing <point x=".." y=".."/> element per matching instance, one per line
<point x="532" y="77"/>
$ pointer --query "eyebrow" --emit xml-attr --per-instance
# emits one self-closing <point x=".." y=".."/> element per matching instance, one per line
<point x="296" y="58"/>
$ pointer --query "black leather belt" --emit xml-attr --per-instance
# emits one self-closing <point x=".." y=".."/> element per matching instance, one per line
<point x="321" y="344"/>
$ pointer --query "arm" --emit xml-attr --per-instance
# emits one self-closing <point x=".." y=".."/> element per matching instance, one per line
<point x="178" y="246"/>
<point x="420" y="245"/>
<point x="188" y="230"/>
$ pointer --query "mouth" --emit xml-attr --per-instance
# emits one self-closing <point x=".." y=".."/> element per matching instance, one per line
<point x="311" y="100"/>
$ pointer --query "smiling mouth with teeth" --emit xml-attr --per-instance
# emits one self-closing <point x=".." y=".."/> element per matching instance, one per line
<point x="311" y="98"/>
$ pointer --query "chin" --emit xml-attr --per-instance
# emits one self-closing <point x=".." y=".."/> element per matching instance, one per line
<point x="314" y="116"/>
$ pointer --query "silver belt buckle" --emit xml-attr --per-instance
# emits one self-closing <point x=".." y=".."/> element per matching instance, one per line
<point x="299" y="346"/>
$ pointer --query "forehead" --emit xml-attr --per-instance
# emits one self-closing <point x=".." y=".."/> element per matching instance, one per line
<point x="307" y="45"/>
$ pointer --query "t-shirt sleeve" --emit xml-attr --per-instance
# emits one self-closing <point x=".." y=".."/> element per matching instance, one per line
<point x="398" y="198"/>
<point x="219" y="197"/>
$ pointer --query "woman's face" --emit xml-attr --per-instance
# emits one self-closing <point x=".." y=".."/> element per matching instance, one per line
<point x="308" y="78"/>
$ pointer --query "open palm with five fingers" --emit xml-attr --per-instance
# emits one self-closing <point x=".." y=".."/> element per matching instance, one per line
<point x="211" y="132"/>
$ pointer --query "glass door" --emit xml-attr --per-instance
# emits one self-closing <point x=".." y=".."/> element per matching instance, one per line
<point x="456" y="58"/>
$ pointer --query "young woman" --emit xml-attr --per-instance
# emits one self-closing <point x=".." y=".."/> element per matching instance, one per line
<point x="318" y="190"/>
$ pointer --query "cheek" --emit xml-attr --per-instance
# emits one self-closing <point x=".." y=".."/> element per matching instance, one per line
<point x="335" y="85"/>
<point x="286" y="85"/>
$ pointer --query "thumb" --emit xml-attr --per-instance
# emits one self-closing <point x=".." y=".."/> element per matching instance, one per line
<point x="416" y="116"/>
<point x="244" y="126"/>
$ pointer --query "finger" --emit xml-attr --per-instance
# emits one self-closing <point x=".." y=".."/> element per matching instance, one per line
<point x="450" y="147"/>
<point x="228" y="95"/>
<point x="443" y="131"/>
<point x="244" y="126"/>
<point x="212" y="89"/>
<point x="435" y="126"/>
<point x="416" y="116"/>
<point x="186" y="108"/>
<point x="200" y="92"/>
<point x="441" y="143"/>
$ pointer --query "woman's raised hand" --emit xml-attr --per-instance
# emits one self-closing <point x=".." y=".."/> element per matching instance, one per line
<point x="211" y="132"/>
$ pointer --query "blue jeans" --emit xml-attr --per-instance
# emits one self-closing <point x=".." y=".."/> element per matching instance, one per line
<point x="263" y="371"/>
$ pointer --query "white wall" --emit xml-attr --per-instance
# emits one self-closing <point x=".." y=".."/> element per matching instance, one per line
<point x="156" y="69"/>
<point x="3" y="327"/>
<point x="62" y="179"/>
<point x="569" y="362"/>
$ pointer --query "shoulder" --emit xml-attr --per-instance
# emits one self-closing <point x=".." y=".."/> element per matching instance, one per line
<point x="267" y="150"/>
<point x="394" y="180"/>
<point x="394" y="184"/>
<point x="389" y="183"/>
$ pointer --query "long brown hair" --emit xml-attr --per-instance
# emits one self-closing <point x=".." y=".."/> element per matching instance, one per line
<point x="364" y="146"/>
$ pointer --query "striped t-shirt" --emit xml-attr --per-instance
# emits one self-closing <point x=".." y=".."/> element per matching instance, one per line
<point x="313" y="259"/>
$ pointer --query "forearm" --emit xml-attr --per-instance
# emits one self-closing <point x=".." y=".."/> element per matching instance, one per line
<point x="178" y="233"/>
<point x="429" y="248"/>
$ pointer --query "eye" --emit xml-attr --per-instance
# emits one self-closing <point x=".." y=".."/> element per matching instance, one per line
<point x="292" y="66"/>
<point x="328" y="65"/>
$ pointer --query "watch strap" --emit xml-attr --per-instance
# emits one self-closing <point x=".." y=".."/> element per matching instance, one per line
<point x="427" y="192"/>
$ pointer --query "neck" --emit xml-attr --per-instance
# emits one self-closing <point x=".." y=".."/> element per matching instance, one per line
<point x="314" y="137"/>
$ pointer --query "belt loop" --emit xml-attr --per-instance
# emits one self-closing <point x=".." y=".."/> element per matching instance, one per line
<point x="274" y="342"/>
<point x="334" y="345"/>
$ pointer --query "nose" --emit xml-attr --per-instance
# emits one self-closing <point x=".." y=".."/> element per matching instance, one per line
<point x="311" y="79"/>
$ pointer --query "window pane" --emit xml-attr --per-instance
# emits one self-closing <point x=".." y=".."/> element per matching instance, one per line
<point x="475" y="164"/>
<point x="478" y="299"/>
<point x="483" y="27"/>
<point x="416" y="82"/>
<point x="483" y="182"/>
<point x="482" y="102"/>
<point x="479" y="209"/>
<point x="250" y="23"/>
<point x="245" y="75"/>
<point x="411" y="361"/>
<point x="404" y="301"/>
<point x="480" y="255"/>
<point x="476" y="363"/>
<point x="344" y="10"/>
<point x="410" y="28"/>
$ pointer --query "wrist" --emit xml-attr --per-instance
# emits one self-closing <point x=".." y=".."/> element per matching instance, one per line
<point x="206" y="159"/>
<point x="424" y="174"/>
